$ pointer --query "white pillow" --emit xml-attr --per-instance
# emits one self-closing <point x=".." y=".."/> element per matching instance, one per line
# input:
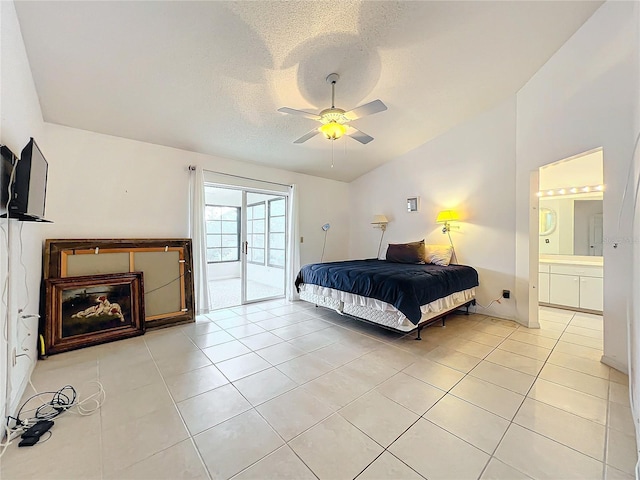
<point x="438" y="254"/>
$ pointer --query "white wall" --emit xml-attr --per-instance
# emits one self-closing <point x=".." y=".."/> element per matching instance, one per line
<point x="222" y="271"/>
<point x="142" y="190"/>
<point x="581" y="99"/>
<point x="471" y="168"/>
<point x="20" y="118"/>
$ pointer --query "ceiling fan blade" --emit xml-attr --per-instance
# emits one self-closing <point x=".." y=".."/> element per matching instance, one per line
<point x="307" y="136"/>
<point x="300" y="113"/>
<point x="366" y="109"/>
<point x="358" y="135"/>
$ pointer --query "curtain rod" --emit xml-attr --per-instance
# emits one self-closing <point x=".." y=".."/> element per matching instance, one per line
<point x="192" y="167"/>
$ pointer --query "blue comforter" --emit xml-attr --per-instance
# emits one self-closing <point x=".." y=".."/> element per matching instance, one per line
<point x="405" y="286"/>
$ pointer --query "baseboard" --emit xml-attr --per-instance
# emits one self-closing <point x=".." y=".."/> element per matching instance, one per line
<point x="614" y="364"/>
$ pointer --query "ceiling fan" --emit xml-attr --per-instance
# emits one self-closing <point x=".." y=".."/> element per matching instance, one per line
<point x="335" y="121"/>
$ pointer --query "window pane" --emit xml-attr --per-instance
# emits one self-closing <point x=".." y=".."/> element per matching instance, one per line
<point x="213" y="226"/>
<point x="258" y="226"/>
<point x="258" y="255"/>
<point x="276" y="224"/>
<point x="276" y="258"/>
<point x="213" y="241"/>
<point x="229" y="254"/>
<point x="209" y="213"/>
<point x="229" y="227"/>
<point x="258" y="211"/>
<point x="249" y="213"/>
<point x="277" y="207"/>
<point x="257" y="241"/>
<point x="276" y="240"/>
<point x="213" y="255"/>
<point x="229" y="240"/>
<point x="230" y="214"/>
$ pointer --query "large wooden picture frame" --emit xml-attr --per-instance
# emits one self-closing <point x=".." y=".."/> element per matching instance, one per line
<point x="167" y="264"/>
<point x="85" y="311"/>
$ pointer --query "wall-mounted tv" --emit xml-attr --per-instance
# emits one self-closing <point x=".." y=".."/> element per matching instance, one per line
<point x="27" y="188"/>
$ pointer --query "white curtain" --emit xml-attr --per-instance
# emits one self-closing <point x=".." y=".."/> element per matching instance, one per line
<point x="293" y="254"/>
<point x="199" y="240"/>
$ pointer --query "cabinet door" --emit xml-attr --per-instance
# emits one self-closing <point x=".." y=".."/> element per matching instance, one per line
<point x="591" y="293"/>
<point x="564" y="290"/>
<point x="543" y="287"/>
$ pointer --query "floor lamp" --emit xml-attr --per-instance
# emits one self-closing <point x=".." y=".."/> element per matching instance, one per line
<point x="380" y="221"/>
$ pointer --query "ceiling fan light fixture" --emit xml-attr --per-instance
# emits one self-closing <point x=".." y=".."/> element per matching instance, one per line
<point x="333" y="130"/>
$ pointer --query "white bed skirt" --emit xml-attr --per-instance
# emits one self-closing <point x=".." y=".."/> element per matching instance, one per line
<point x="378" y="311"/>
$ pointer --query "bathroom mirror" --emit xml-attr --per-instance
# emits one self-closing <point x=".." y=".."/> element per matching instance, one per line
<point x="571" y="225"/>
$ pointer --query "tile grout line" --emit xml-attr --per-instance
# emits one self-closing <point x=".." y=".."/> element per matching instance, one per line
<point x="175" y="406"/>
<point x="511" y="422"/>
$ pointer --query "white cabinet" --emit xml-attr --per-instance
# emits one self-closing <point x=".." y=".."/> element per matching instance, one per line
<point x="571" y="285"/>
<point x="591" y="293"/>
<point x="564" y="290"/>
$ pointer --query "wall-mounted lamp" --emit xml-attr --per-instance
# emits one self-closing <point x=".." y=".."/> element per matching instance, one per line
<point x="447" y="216"/>
<point x="380" y="221"/>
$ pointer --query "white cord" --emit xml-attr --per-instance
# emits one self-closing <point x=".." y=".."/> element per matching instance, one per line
<point x="497" y="300"/>
<point x="97" y="398"/>
<point x="24" y="268"/>
<point x="9" y="438"/>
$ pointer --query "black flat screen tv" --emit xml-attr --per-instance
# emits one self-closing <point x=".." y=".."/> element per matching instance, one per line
<point x="28" y="186"/>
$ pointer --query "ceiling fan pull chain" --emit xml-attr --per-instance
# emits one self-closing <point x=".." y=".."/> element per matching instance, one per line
<point x="332" y="142"/>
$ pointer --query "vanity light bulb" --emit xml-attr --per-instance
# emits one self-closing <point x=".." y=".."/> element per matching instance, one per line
<point x="585" y="189"/>
<point x="562" y="191"/>
<point x="550" y="192"/>
<point x="539" y="194"/>
<point x="574" y="190"/>
<point x="599" y="188"/>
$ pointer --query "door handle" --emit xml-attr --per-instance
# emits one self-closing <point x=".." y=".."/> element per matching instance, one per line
<point x="246" y="248"/>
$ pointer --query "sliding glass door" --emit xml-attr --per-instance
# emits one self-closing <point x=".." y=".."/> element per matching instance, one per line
<point x="265" y="246"/>
<point x="246" y="245"/>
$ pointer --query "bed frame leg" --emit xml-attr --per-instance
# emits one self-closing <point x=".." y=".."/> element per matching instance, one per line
<point x="467" y="307"/>
<point x="443" y="320"/>
<point x="419" y="337"/>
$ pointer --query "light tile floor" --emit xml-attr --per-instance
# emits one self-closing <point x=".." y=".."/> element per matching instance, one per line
<point x="279" y="390"/>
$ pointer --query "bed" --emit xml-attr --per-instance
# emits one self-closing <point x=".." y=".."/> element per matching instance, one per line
<point x="397" y="296"/>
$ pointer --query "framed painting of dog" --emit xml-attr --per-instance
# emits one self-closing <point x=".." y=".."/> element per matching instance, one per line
<point x="88" y="310"/>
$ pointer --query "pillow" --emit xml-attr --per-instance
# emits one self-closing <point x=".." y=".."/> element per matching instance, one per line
<point x="438" y="254"/>
<point x="413" y="252"/>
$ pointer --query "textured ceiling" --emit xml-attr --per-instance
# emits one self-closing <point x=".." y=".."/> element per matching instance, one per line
<point x="209" y="76"/>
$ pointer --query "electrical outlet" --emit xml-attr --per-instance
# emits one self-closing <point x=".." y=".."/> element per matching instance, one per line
<point x="506" y="293"/>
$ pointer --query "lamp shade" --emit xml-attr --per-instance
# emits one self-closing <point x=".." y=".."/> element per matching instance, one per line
<point x="447" y="216"/>
<point x="333" y="130"/>
<point x="379" y="219"/>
